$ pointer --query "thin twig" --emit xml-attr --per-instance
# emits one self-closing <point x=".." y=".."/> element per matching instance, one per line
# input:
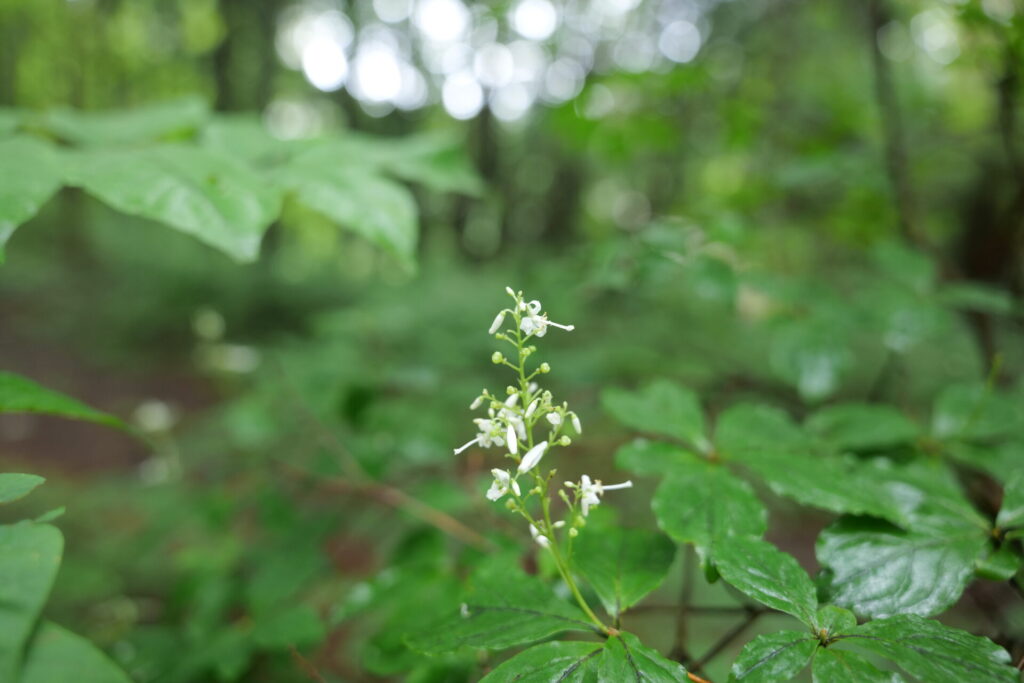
<point x="726" y="640"/>
<point x="696" y="610"/>
<point x="306" y="666"/>
<point x="679" y="652"/>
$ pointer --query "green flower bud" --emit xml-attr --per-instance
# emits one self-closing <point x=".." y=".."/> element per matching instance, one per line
<point x="574" y="532"/>
<point x="497" y="358"/>
<point x="545" y="368"/>
<point x="564" y="441"/>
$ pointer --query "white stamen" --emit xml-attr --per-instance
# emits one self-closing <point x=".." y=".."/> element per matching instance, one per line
<point x="466" y="445"/>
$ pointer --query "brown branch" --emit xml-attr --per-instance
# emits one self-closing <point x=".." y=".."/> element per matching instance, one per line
<point x="306" y="666"/>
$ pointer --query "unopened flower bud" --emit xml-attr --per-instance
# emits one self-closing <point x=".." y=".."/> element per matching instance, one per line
<point x="574" y="532"/>
<point x="510" y="504"/>
<point x="511" y="390"/>
<point x="497" y="358"/>
<point x="564" y="441"/>
<point x="545" y="368"/>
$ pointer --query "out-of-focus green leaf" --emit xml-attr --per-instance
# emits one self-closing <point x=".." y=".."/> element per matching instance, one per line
<point x="29" y="176"/>
<point x="652" y="458"/>
<point x="879" y="570"/>
<point x="811" y="356"/>
<point x="752" y="428"/>
<point x="201" y="192"/>
<point x="1011" y="513"/>
<point x="765" y="573"/>
<point x="14" y="486"/>
<point x="1000" y="564"/>
<point x="907" y="267"/>
<point x="21" y="395"/>
<point x="838" y="666"/>
<point x="56" y="654"/>
<point x="862" y="426"/>
<point x="623" y="565"/>
<point x="294" y="626"/>
<point x="505" y="608"/>
<point x="933" y="652"/>
<point x="377" y="208"/>
<point x="974" y="411"/>
<point x="139" y="124"/>
<point x="10" y="119"/>
<point x="774" y="657"/>
<point x="436" y="161"/>
<point x="698" y="501"/>
<point x="661" y="407"/>
<point x="974" y="296"/>
<point x="30" y="555"/>
<point x="245" y="137"/>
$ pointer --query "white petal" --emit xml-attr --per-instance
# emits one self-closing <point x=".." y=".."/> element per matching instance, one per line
<point x="510" y="291"/>
<point x="496" y="325"/>
<point x="533" y="407"/>
<point x="534" y="307"/>
<point x="515" y="487"/>
<point x="494" y="493"/>
<point x="476" y="403"/>
<point x="533" y="457"/>
<point x="554" y="418"/>
<point x="576" y="423"/>
<point x="513" y="442"/>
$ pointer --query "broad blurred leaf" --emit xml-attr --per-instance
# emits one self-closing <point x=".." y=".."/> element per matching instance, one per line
<point x="751" y="428"/>
<point x="999" y="564"/>
<point x="201" y="192"/>
<point x="765" y="573"/>
<point x="774" y="657"/>
<point x="623" y="565"/>
<point x="30" y="555"/>
<point x="14" y="486"/>
<point x="140" y="124"/>
<point x="907" y="267"/>
<point x="812" y="356"/>
<point x="245" y="137"/>
<point x="436" y="161"/>
<point x="56" y="654"/>
<point x="838" y="666"/>
<point x="933" y="652"/>
<point x="862" y="426"/>
<point x="327" y="180"/>
<point x="1011" y="513"/>
<point x="10" y="119"/>
<point x="296" y="626"/>
<point x="879" y="570"/>
<point x="697" y="502"/>
<point x="29" y="175"/>
<point x="974" y="296"/>
<point x="504" y="608"/>
<point x="661" y="407"/>
<point x="652" y="458"/>
<point x="21" y="395"/>
<point x="974" y="411"/>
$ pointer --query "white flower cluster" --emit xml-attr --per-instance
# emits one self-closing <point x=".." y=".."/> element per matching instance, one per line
<point x="511" y="422"/>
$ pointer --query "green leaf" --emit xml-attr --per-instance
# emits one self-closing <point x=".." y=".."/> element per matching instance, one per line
<point x="653" y="458"/>
<point x="29" y="176"/>
<point x="1000" y="564"/>
<point x="295" y="626"/>
<point x="661" y="407"/>
<point x="837" y="666"/>
<point x="140" y="124"/>
<point x="1011" y="513"/>
<point x="765" y="573"/>
<point x="625" y="658"/>
<point x="878" y="570"/>
<point x="700" y="501"/>
<point x="974" y="411"/>
<point x="201" y="192"/>
<point x="10" y="119"/>
<point x="380" y="210"/>
<point x="435" y="160"/>
<point x="623" y="565"/>
<point x="16" y="486"/>
<point x="56" y="654"/>
<point x="747" y="428"/>
<point x="505" y="608"/>
<point x="812" y="356"/>
<point x="29" y="558"/>
<point x="862" y="426"/>
<point x="245" y="137"/>
<point x="933" y="652"/>
<point x="974" y="296"/>
<point x="774" y="657"/>
<point x="21" y="395"/>
<point x="835" y="620"/>
<point x="569" y="662"/>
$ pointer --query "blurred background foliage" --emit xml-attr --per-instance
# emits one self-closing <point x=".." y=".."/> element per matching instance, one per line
<point x="804" y="201"/>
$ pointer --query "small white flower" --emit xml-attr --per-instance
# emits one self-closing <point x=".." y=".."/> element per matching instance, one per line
<point x="589" y="492"/>
<point x="533" y="457"/>
<point x="512" y="440"/>
<point x="532" y="407"/>
<point x="554" y="418"/>
<point x="510" y="291"/>
<point x="496" y="325"/>
<point x="464" y="610"/>
<point x="541" y="539"/>
<point x="576" y="423"/>
<point x="502" y="484"/>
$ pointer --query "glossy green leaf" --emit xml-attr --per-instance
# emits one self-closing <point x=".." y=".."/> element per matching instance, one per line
<point x="750" y="428"/>
<point x="505" y="608"/>
<point x="327" y="180"/>
<point x="653" y="458"/>
<point x="1011" y="513"/>
<point x="878" y="570"/>
<point x="139" y="124"/>
<point x="768" y="575"/>
<point x="862" y="426"/>
<point x="623" y="565"/>
<point x="201" y="192"/>
<point x="56" y="654"/>
<point x="832" y="665"/>
<point x="662" y="407"/>
<point x="700" y="501"/>
<point x="1000" y="564"/>
<point x="30" y="555"/>
<point x="835" y="620"/>
<point x="21" y="395"/>
<point x="14" y="486"/>
<point x="625" y="658"/>
<point x="774" y="657"/>
<point x="29" y="176"/>
<point x="567" y="661"/>
<point x="933" y="652"/>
